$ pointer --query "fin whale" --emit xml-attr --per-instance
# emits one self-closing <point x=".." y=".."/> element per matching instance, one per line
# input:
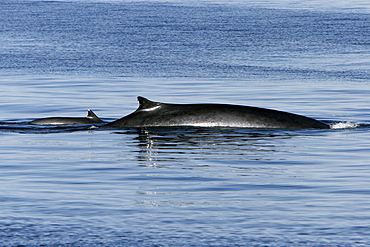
<point x="89" y="119"/>
<point x="156" y="114"/>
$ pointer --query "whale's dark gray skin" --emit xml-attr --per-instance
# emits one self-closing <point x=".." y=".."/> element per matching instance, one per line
<point x="91" y="118"/>
<point x="156" y="114"/>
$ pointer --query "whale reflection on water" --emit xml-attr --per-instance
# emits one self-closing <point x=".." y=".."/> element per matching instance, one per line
<point x="186" y="145"/>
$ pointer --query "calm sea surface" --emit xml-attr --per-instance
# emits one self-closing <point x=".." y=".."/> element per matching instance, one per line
<point x="90" y="186"/>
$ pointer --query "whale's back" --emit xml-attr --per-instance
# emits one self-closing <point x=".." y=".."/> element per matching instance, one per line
<point x="155" y="114"/>
<point x="89" y="119"/>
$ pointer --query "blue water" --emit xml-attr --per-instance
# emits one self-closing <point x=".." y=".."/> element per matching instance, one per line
<point x="90" y="186"/>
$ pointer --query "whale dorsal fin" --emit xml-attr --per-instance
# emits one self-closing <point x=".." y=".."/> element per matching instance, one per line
<point x="91" y="115"/>
<point x="145" y="104"/>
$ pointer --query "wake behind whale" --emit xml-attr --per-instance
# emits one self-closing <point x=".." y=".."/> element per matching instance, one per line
<point x="156" y="114"/>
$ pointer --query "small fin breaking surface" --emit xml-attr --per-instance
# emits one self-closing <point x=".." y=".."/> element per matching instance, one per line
<point x="91" y="114"/>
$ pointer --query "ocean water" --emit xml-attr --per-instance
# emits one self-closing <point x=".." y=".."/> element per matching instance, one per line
<point x="90" y="186"/>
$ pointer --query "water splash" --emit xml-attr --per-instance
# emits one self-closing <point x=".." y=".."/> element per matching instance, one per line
<point x="344" y="125"/>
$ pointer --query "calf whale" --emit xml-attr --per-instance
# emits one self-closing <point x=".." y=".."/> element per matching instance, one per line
<point x="89" y="119"/>
<point x="156" y="114"/>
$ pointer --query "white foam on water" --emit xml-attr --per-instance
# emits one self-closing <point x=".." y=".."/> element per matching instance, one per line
<point x="344" y="125"/>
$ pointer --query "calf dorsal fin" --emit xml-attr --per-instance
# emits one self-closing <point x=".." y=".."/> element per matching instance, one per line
<point x="91" y="115"/>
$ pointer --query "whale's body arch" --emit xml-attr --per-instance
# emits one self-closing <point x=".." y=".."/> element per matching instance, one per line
<point x="156" y="114"/>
